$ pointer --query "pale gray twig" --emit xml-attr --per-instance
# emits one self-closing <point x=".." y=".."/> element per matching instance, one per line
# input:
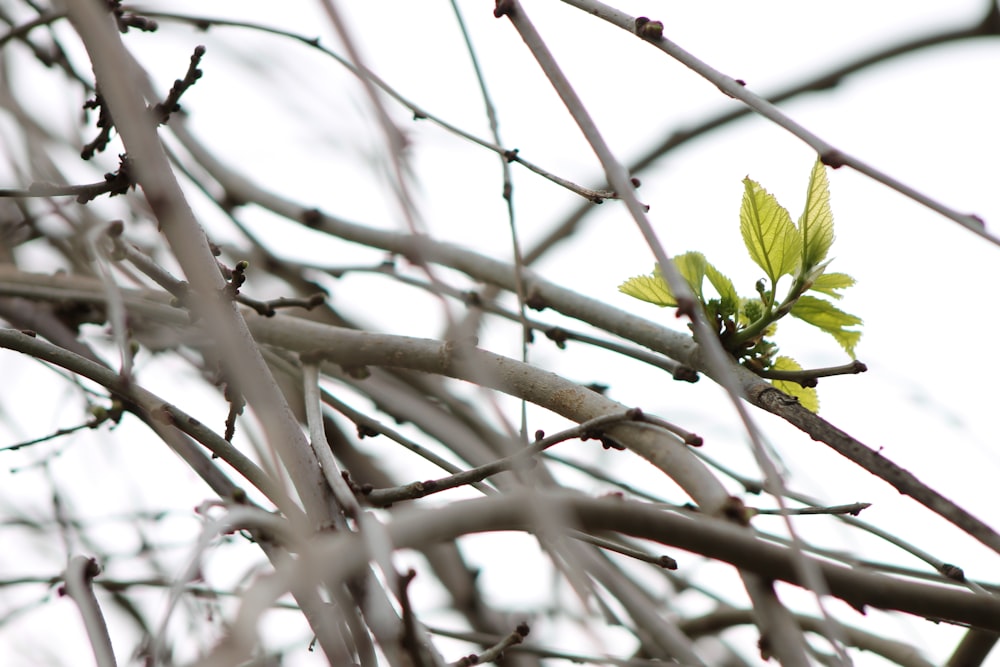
<point x="79" y="587"/>
<point x="317" y="438"/>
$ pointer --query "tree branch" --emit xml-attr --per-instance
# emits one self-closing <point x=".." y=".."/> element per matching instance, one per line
<point x="341" y="556"/>
<point x="79" y="578"/>
<point x="767" y="397"/>
<point x="829" y="154"/>
<point x="119" y="80"/>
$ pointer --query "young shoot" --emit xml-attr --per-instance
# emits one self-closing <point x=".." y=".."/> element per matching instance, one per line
<point x="780" y="247"/>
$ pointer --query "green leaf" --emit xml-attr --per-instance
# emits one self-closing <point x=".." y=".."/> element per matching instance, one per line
<point x="770" y="237"/>
<point x="724" y="286"/>
<point x="816" y="223"/>
<point x="824" y="315"/>
<point x="653" y="289"/>
<point x="829" y="283"/>
<point x="807" y="395"/>
<point x="691" y="265"/>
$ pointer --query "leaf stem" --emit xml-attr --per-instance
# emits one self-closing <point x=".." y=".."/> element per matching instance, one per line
<point x="771" y="314"/>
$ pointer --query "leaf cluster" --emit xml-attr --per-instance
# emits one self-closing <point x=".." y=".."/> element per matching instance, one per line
<point x="780" y="247"/>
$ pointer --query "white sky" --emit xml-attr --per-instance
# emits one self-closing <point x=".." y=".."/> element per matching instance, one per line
<point x="925" y="286"/>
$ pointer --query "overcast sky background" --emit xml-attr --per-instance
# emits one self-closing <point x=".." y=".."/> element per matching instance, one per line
<point x="298" y="123"/>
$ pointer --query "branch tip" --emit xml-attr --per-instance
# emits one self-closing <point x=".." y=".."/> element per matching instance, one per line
<point x="503" y="8"/>
<point x="667" y="563"/>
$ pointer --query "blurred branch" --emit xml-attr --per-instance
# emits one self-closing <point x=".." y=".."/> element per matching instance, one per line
<point x="467" y="431"/>
<point x="317" y="437"/>
<point x="119" y="80"/>
<point x="157" y="412"/>
<point x="546" y="389"/>
<point x="974" y="648"/>
<point x="340" y="556"/>
<point x="557" y="334"/>
<point x="357" y="348"/>
<point x="79" y="578"/>
<point x="721" y="619"/>
<point x="370" y="427"/>
<point x="595" y="312"/>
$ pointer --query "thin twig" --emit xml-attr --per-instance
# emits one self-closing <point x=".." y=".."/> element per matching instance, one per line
<point x="79" y="587"/>
<point x="828" y="153"/>
<point x="487" y="639"/>
<point x="124" y="250"/>
<point x="989" y="25"/>
<point x="767" y="397"/>
<point x="949" y="571"/>
<point x="91" y="423"/>
<point x="495" y="652"/>
<point x="853" y="509"/>
<point x="369" y="426"/>
<point x="894" y="652"/>
<point x="594" y="196"/>
<point x="320" y="447"/>
<point x="590" y="428"/>
<point x="808" y="377"/>
<point x="663" y="561"/>
<point x="117" y="183"/>
<point x="508" y="195"/>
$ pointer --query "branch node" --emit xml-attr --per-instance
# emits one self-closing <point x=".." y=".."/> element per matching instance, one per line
<point x="536" y="301"/>
<point x="833" y="158"/>
<point x="649" y="30"/>
<point x="953" y="572"/>
<point x="311" y="217"/>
